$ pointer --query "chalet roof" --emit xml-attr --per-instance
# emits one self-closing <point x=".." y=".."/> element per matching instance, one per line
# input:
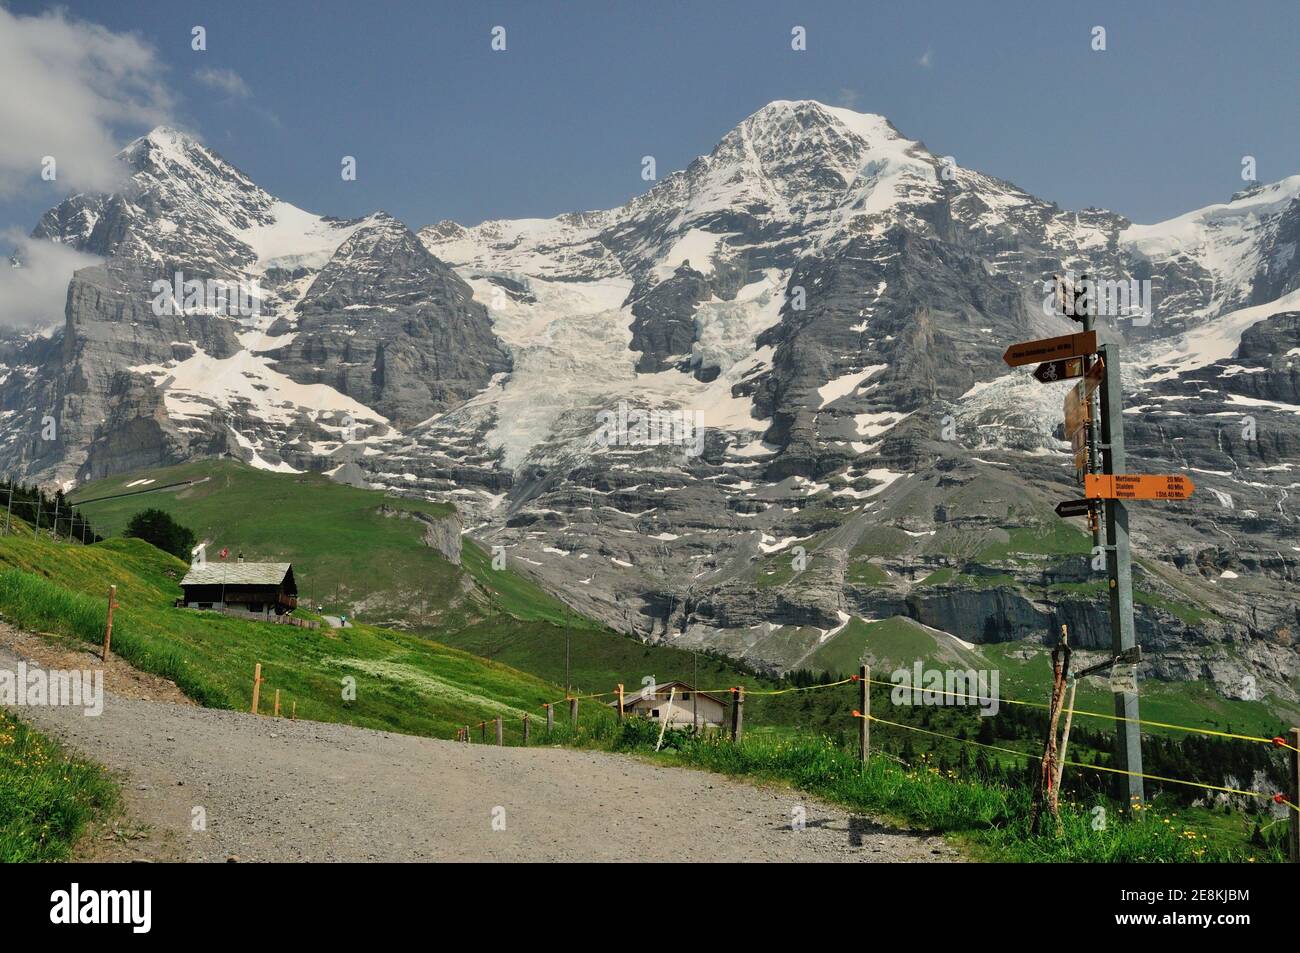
<point x="237" y="574"/>
<point x="662" y="691"/>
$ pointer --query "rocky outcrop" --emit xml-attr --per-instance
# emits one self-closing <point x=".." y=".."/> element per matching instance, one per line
<point x="391" y="326"/>
<point x="441" y="533"/>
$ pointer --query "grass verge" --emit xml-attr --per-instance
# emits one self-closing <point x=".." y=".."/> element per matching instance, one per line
<point x="991" y="819"/>
<point x="47" y="797"/>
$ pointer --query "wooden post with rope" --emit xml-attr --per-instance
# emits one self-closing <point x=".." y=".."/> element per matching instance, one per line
<point x="864" y="700"/>
<point x="482" y="732"/>
<point x="620" y="701"/>
<point x="573" y="714"/>
<point x="738" y="713"/>
<point x="108" y="626"/>
<point x="277" y="703"/>
<point x="550" y="719"/>
<point x="257" y="686"/>
<point x="1045" y="785"/>
<point x="525" y="729"/>
<point x="668" y="714"/>
<point x="1065" y="743"/>
<point x="500" y="731"/>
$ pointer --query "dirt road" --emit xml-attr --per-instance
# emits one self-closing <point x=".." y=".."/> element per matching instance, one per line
<point x="280" y="790"/>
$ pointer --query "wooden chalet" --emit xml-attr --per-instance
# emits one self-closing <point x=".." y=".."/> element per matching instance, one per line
<point x="261" y="588"/>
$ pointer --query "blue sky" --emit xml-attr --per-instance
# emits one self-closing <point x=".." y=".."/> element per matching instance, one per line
<point x="444" y="127"/>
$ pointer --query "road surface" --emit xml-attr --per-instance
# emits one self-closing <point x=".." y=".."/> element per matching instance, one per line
<point x="277" y="790"/>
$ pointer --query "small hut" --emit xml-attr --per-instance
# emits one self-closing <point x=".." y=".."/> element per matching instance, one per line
<point x="259" y="588"/>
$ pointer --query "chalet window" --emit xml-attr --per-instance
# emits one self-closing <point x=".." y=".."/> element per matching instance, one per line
<point x="686" y="696"/>
<point x="654" y="713"/>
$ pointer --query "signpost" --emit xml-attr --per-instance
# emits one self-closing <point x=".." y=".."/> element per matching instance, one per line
<point x="1097" y="439"/>
<point x="1078" y="410"/>
<point x="1069" y="508"/>
<point x="1051" y="349"/>
<point x="1137" y="486"/>
<point x="1062" y="370"/>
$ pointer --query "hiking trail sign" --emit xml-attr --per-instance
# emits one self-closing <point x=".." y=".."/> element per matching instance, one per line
<point x="1137" y="486"/>
<point x="1071" y="508"/>
<point x="1051" y="349"/>
<point x="1062" y="370"/>
<point x="1094" y="426"/>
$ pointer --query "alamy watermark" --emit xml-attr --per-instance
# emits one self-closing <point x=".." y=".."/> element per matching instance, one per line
<point x="1078" y="295"/>
<point x="932" y="686"/>
<point x="37" y="687"/>
<point x="634" y="427"/>
<point x="209" y="295"/>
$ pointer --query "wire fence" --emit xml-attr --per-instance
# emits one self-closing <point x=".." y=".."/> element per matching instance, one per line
<point x="737" y="693"/>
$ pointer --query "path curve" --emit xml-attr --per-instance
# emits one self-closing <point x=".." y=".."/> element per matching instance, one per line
<point x="280" y="790"/>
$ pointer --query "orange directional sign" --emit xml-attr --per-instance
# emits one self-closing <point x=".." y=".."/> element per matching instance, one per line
<point x="1136" y="486"/>
<point x="1051" y="349"/>
<point x="1094" y="377"/>
<point x="1078" y="410"/>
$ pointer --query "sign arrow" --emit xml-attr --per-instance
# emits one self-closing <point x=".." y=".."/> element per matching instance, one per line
<point x="1069" y="508"/>
<point x="1051" y="349"/>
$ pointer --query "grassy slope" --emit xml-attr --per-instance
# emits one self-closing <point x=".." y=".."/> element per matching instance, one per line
<point x="403" y="682"/>
<point x="343" y="550"/>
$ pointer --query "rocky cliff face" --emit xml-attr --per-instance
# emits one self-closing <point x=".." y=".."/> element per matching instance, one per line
<point x="762" y="398"/>
<point x="391" y="326"/>
<point x="225" y="320"/>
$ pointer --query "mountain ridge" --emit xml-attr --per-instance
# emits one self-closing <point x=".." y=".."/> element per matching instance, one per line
<point x="829" y="297"/>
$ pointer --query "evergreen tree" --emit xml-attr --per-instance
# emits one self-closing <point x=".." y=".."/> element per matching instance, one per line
<point x="157" y="527"/>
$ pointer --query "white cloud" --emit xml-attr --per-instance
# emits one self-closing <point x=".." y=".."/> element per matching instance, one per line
<point x="223" y="81"/>
<point x="33" y="294"/>
<point x="926" y="60"/>
<point x="848" y="97"/>
<point x="69" y="84"/>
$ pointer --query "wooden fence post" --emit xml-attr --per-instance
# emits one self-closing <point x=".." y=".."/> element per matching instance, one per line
<point x="257" y="686"/>
<point x="573" y="714"/>
<point x="620" y="701"/>
<point x="293" y="712"/>
<point x="738" y="714"/>
<point x="500" y="731"/>
<point x="465" y="737"/>
<point x="108" y="628"/>
<point x="277" y="703"/>
<point x="550" y="720"/>
<point x="1045" y="785"/>
<point x="1295" y="796"/>
<point x="482" y="732"/>
<point x="525" y="729"/>
<point x="864" y="730"/>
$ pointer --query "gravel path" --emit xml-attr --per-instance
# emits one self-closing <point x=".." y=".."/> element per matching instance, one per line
<point x="280" y="790"/>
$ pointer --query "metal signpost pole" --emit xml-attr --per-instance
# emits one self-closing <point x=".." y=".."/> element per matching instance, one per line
<point x="1119" y="571"/>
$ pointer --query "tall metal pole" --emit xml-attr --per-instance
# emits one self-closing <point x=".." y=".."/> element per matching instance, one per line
<point x="9" y="509"/>
<point x="1092" y="463"/>
<point x="1119" y="571"/>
